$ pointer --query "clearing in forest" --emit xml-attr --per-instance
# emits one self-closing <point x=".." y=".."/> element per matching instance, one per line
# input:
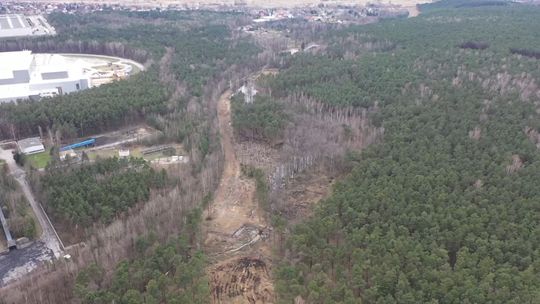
<point x="235" y="230"/>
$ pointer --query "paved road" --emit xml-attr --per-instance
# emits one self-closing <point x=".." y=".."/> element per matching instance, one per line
<point x="49" y="237"/>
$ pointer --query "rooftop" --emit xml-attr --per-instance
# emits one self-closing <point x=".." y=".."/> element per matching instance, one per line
<point x="14" y="61"/>
<point x="29" y="142"/>
<point x="8" y="22"/>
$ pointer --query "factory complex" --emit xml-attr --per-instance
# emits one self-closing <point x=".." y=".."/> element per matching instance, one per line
<point x="26" y="75"/>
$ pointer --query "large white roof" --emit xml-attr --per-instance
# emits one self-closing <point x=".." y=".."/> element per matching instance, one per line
<point x="14" y="61"/>
<point x="53" y="63"/>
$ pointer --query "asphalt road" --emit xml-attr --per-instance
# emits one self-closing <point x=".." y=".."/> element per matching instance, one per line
<point x="49" y="237"/>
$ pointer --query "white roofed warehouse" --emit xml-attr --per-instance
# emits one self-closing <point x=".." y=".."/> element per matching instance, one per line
<point x="30" y="145"/>
<point x="24" y="75"/>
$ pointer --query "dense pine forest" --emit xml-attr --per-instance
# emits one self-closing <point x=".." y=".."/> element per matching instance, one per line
<point x="159" y="274"/>
<point x="261" y="120"/>
<point x="445" y="208"/>
<point x="99" y="191"/>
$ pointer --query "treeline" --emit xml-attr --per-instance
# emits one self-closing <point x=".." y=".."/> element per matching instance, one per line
<point x="116" y="49"/>
<point x="99" y="191"/>
<point x="169" y="273"/>
<point x="204" y="51"/>
<point x="150" y="30"/>
<point x="263" y="119"/>
<point x="446" y="4"/>
<point x="87" y="112"/>
<point x="444" y="209"/>
<point x="475" y="45"/>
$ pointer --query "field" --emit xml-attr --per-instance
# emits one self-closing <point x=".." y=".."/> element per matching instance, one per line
<point x="39" y="160"/>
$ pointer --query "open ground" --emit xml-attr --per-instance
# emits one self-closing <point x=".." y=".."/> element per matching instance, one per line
<point x="235" y="227"/>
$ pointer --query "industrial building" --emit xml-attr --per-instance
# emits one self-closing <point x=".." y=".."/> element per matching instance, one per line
<point x="31" y="145"/>
<point x="25" y="75"/>
<point x="20" y="25"/>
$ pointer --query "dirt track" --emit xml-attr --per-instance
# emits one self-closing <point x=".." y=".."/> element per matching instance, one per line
<point x="235" y="230"/>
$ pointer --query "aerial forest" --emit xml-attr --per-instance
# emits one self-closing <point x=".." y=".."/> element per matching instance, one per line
<point x="439" y="204"/>
<point x="99" y="191"/>
<point x="445" y="208"/>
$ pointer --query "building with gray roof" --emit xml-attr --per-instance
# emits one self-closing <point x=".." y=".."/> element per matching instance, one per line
<point x="30" y="145"/>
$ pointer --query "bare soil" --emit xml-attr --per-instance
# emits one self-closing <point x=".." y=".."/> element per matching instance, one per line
<point x="236" y="230"/>
<point x="303" y="192"/>
<point x="258" y="155"/>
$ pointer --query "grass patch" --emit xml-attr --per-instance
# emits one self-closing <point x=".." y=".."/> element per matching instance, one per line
<point x="103" y="154"/>
<point x="39" y="160"/>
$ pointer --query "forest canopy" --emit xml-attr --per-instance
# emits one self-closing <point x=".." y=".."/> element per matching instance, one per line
<point x="445" y="208"/>
<point x="99" y="191"/>
<point x="261" y="120"/>
<point x="169" y="273"/>
<point x="90" y="111"/>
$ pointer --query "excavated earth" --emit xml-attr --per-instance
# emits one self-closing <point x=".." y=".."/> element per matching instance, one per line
<point x="236" y="231"/>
